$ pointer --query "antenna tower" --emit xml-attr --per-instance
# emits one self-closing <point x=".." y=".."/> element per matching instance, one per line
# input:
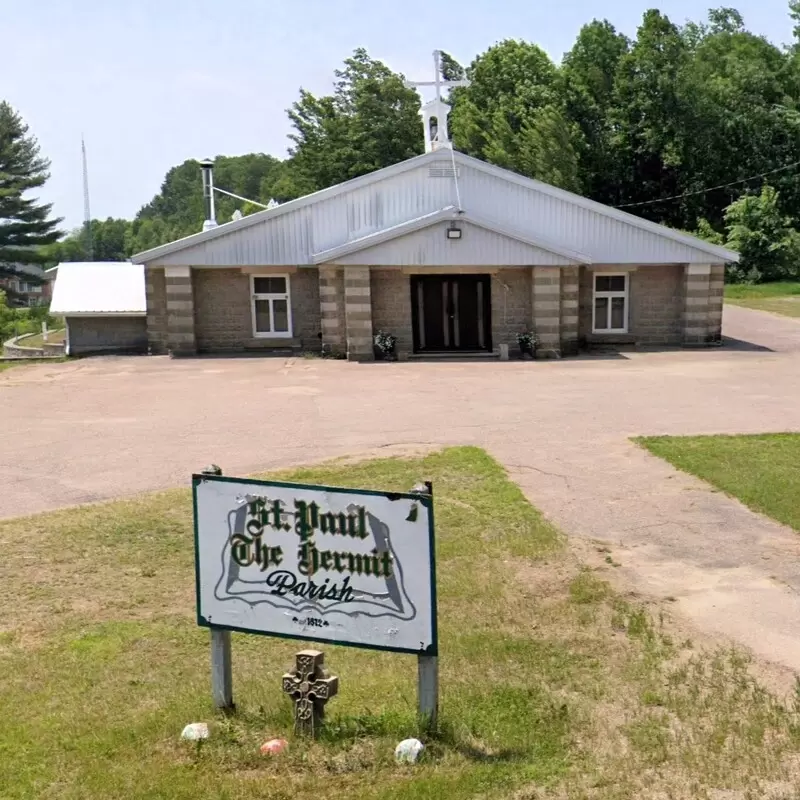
<point x="87" y="214"/>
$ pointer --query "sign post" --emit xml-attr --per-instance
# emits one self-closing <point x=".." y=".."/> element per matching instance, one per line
<point x="428" y="665"/>
<point x="316" y="563"/>
<point x="221" y="671"/>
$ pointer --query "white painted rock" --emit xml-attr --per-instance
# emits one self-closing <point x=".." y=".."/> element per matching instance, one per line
<point x="195" y="731"/>
<point x="408" y="751"/>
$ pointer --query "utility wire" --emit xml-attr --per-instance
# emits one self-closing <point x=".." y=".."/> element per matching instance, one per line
<point x="709" y="189"/>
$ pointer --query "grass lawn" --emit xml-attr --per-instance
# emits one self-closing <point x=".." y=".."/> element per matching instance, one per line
<point x="552" y="685"/>
<point x="782" y="297"/>
<point x="763" y="471"/>
<point x="37" y="340"/>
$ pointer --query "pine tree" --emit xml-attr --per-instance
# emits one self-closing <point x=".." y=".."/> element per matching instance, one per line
<point x="25" y="224"/>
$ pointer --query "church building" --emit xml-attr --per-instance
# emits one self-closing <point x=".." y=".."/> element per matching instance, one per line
<point x="444" y="251"/>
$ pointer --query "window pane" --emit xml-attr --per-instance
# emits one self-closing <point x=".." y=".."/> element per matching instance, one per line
<point x="269" y="285"/>
<point x="618" y="312"/>
<point x="602" y="283"/>
<point x="609" y="283"/>
<point x="262" y="316"/>
<point x="280" y="313"/>
<point x="601" y="313"/>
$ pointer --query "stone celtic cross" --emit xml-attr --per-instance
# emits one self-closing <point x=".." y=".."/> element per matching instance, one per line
<point x="310" y="687"/>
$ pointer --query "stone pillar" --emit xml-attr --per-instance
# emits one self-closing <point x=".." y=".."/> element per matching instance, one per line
<point x="569" y="311"/>
<point x="716" y="292"/>
<point x="180" y="311"/>
<point x="156" y="300"/>
<point x="546" y="308"/>
<point x="696" y="296"/>
<point x="358" y="314"/>
<point x="331" y="306"/>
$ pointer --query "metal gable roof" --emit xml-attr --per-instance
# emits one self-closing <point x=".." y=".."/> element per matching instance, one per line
<point x="448" y="213"/>
<point x="99" y="287"/>
<point x="300" y="231"/>
<point x="721" y="253"/>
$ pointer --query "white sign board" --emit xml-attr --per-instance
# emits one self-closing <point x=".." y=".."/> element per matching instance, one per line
<point x="346" y="566"/>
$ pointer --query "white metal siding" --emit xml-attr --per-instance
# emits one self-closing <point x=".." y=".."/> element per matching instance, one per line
<point x="604" y="240"/>
<point x="431" y="247"/>
<point x="293" y="237"/>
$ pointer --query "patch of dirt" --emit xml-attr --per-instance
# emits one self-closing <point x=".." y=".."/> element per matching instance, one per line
<point x="402" y="450"/>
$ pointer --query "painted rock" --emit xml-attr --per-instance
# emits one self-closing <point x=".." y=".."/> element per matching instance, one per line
<point x="408" y="751"/>
<point x="195" y="731"/>
<point x="273" y="746"/>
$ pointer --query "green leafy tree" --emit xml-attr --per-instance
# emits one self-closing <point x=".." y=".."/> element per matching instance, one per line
<point x="740" y="101"/>
<point x="451" y="69"/>
<point x="179" y="210"/>
<point x="765" y="238"/>
<point x="547" y="149"/>
<point x="588" y="73"/>
<point x="512" y="115"/>
<point x="794" y="14"/>
<point x="25" y="223"/>
<point x="370" y="121"/>
<point x="648" y="118"/>
<point x="508" y="84"/>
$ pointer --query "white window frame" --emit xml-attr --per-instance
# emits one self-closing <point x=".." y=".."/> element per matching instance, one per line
<point x="271" y="296"/>
<point x="624" y="294"/>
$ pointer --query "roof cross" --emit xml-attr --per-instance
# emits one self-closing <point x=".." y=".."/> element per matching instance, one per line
<point x="435" y="112"/>
<point x="438" y="82"/>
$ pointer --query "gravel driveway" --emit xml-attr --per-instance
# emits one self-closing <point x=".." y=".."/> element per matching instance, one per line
<point x="107" y="427"/>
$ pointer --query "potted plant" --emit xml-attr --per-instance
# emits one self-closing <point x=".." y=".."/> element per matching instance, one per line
<point x="385" y="344"/>
<point x="528" y="342"/>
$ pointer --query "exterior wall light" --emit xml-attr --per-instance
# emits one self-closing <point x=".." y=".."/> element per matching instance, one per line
<point x="453" y="232"/>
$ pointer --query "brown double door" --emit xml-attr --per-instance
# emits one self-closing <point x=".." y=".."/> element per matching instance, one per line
<point x="451" y="313"/>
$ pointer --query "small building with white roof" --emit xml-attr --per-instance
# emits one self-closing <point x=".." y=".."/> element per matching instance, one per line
<point x="103" y="305"/>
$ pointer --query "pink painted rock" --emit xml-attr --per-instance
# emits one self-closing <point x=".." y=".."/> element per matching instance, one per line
<point x="273" y="747"/>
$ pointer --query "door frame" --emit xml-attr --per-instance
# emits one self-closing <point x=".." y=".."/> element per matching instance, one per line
<point x="485" y="279"/>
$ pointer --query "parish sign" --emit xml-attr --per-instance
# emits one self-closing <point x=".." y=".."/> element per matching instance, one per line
<point x="326" y="564"/>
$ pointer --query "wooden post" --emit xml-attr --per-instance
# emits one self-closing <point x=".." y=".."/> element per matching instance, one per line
<point x="221" y="671"/>
<point x="427" y="666"/>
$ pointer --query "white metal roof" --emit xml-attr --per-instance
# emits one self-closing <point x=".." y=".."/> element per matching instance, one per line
<point x="385" y="202"/>
<point x="100" y="287"/>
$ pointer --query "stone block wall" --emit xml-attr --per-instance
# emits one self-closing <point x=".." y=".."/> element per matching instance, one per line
<point x="306" y="317"/>
<point x="391" y="306"/>
<point x="546" y="308"/>
<point x="331" y="302"/>
<point x="696" y="303"/>
<point x="584" y="303"/>
<point x="222" y="310"/>
<point x="358" y="314"/>
<point x="156" y="301"/>
<point x="224" y="317"/>
<point x="180" y="311"/>
<point x="715" y="301"/>
<point x="656" y="302"/>
<point x="511" y="298"/>
<point x="655" y="305"/>
<point x="569" y="311"/>
<point x="90" y="335"/>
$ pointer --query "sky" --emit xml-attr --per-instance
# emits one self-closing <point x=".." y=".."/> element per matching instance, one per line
<point x="150" y="83"/>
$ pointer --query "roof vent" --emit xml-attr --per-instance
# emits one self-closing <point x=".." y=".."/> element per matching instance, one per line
<point x="443" y="171"/>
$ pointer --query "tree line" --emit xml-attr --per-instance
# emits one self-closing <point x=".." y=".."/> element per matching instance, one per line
<point x="694" y="125"/>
